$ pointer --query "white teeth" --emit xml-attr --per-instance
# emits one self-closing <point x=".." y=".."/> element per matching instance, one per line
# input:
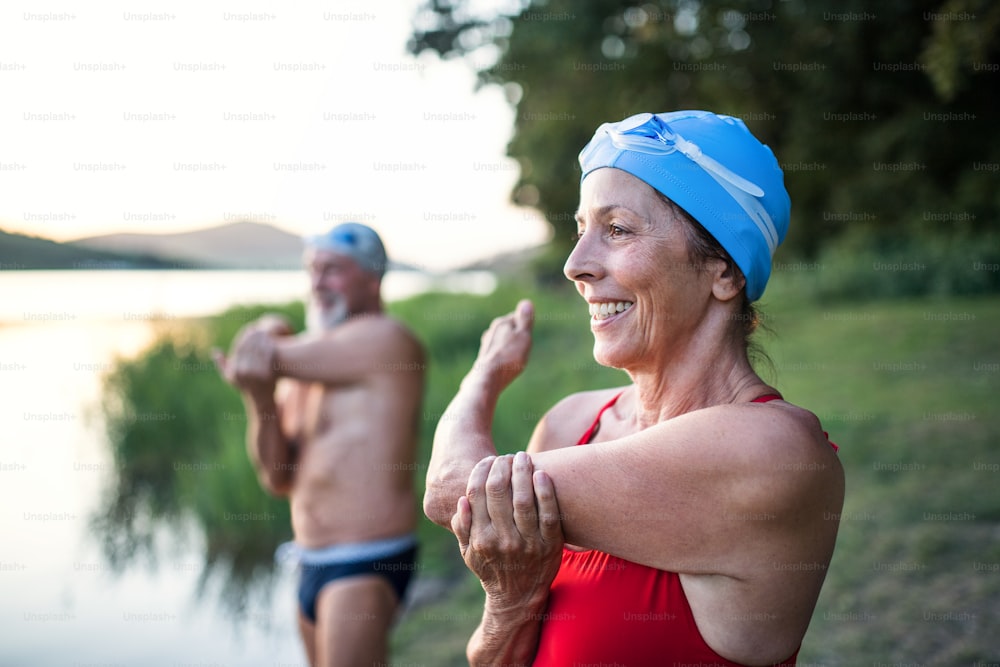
<point x="604" y="310"/>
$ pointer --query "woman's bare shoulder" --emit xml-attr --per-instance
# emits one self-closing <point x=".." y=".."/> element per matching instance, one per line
<point x="798" y="423"/>
<point x="569" y="419"/>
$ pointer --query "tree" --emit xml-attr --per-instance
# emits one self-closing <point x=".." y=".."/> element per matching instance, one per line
<point x="876" y="111"/>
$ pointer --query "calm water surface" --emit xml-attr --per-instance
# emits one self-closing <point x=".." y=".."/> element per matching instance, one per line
<point x="60" y="603"/>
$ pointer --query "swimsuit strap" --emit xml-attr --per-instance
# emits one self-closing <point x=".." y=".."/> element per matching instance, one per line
<point x="592" y="431"/>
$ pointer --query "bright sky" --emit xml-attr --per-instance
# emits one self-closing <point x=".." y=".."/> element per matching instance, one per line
<point x="172" y="116"/>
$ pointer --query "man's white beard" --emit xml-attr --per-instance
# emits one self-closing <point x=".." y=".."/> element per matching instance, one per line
<point x="324" y="318"/>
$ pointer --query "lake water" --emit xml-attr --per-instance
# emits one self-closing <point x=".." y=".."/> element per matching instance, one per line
<point x="60" y="603"/>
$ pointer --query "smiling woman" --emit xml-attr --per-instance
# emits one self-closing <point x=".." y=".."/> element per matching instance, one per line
<point x="717" y="551"/>
<point x="646" y="229"/>
<point x="633" y="250"/>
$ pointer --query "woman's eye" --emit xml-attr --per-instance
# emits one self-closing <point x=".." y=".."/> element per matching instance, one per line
<point x="616" y="231"/>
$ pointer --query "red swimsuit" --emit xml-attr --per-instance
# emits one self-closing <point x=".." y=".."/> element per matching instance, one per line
<point x="604" y="610"/>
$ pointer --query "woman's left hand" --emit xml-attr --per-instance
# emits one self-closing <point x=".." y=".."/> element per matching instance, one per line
<point x="509" y="530"/>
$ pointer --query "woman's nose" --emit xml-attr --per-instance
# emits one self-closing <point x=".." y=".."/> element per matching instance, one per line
<point x="582" y="263"/>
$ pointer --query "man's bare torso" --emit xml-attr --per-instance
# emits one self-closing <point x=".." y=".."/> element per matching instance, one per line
<point x="355" y="455"/>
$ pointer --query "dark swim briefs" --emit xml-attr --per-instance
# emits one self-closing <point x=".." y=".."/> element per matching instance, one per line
<point x="393" y="559"/>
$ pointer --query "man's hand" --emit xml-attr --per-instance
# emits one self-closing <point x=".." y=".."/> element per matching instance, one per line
<point x="276" y="325"/>
<point x="504" y="347"/>
<point x="509" y="531"/>
<point x="250" y="364"/>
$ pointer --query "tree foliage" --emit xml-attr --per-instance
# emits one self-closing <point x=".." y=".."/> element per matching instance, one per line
<point x="880" y="113"/>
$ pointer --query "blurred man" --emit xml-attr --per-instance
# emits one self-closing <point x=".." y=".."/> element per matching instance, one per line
<point x="332" y="424"/>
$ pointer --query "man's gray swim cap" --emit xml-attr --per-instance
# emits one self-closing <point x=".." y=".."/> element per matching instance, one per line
<point x="713" y="168"/>
<point x="359" y="242"/>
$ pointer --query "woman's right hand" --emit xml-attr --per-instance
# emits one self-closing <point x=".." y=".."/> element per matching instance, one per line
<point x="509" y="531"/>
<point x="504" y="347"/>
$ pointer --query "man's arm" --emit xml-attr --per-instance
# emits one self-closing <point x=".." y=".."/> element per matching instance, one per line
<point x="464" y="433"/>
<point x="348" y="353"/>
<point x="248" y="369"/>
<point x="272" y="455"/>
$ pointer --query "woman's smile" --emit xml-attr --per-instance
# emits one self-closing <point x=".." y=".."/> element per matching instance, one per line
<point x="604" y="310"/>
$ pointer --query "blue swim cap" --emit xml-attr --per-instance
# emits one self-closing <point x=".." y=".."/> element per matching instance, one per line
<point x="359" y="242"/>
<point x="713" y="168"/>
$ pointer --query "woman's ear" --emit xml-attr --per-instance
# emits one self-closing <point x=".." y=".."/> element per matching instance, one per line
<point x="727" y="280"/>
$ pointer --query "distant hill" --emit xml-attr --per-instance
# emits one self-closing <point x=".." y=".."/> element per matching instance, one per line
<point x="237" y="245"/>
<point x="22" y="252"/>
<point x="512" y="263"/>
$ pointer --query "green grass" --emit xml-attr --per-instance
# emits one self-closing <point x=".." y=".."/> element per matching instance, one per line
<point x="908" y="389"/>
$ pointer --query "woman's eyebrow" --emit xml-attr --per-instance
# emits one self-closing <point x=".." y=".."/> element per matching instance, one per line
<point x="605" y="210"/>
